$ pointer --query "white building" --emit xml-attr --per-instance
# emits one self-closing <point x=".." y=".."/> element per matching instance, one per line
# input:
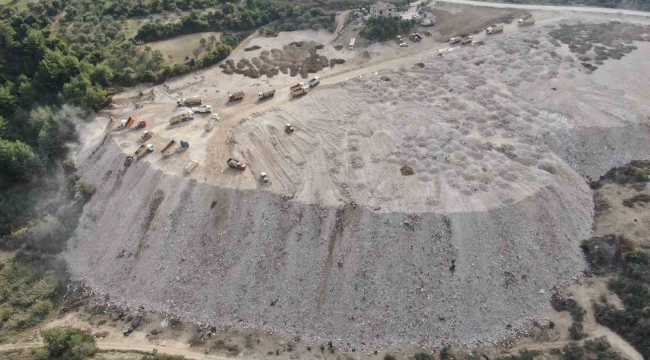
<point x="381" y="9"/>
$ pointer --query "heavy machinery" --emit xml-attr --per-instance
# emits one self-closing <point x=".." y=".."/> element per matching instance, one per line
<point x="236" y="164"/>
<point x="143" y="150"/>
<point x="190" y="166"/>
<point x="141" y="125"/>
<point x="494" y="29"/>
<point x="399" y="39"/>
<point x="134" y="325"/>
<point x="289" y="128"/>
<point x="455" y="40"/>
<point x="299" y="92"/>
<point x="202" y="109"/>
<point x="184" y="116"/>
<point x="300" y="85"/>
<point x="266" y="94"/>
<point x="210" y="124"/>
<point x="146" y="135"/>
<point x="239" y="95"/>
<point x="466" y="40"/>
<point x="264" y="179"/>
<point x="313" y="82"/>
<point x="130" y="122"/>
<point x="191" y="101"/>
<point x="427" y="33"/>
<point x="526" y="22"/>
<point x="415" y="37"/>
<point x="172" y="147"/>
<point x="122" y="125"/>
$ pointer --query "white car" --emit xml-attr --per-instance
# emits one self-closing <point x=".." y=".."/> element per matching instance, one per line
<point x="214" y="117"/>
<point x="403" y="44"/>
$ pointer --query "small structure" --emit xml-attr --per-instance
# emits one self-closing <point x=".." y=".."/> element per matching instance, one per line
<point x="382" y="9"/>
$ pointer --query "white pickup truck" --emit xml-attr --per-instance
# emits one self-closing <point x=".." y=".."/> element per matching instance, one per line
<point x="315" y="81"/>
<point x="202" y="109"/>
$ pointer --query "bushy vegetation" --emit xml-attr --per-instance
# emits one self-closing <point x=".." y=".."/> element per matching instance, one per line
<point x="66" y="343"/>
<point x="385" y="28"/>
<point x="597" y="349"/>
<point x="30" y="285"/>
<point x="162" y="357"/>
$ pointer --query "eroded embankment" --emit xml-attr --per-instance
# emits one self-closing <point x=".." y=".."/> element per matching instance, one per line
<point x="256" y="259"/>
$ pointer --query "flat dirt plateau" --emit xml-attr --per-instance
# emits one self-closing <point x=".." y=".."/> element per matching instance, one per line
<point x="340" y="245"/>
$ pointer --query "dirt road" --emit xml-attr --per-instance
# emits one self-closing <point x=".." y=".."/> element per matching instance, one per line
<point x="342" y="19"/>
<point x="550" y="8"/>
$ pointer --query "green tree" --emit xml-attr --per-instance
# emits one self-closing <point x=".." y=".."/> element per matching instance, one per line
<point x="80" y="91"/>
<point x="202" y="41"/>
<point x="18" y="160"/>
<point x="102" y="75"/>
<point x="68" y="343"/>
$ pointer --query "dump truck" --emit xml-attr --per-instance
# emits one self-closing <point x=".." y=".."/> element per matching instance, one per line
<point x="466" y="40"/>
<point x="300" y="92"/>
<point x="526" y="22"/>
<point x="134" y="325"/>
<point x="239" y="95"/>
<point x="494" y="29"/>
<point x="352" y="42"/>
<point x="130" y="122"/>
<point x="415" y="37"/>
<point x="191" y="101"/>
<point x="202" y="109"/>
<point x="210" y="124"/>
<point x="289" y="128"/>
<point x="173" y="147"/>
<point x="455" y="40"/>
<point x="427" y="33"/>
<point x="266" y="94"/>
<point x="143" y="150"/>
<point x="236" y="164"/>
<point x="315" y="81"/>
<point x="146" y="136"/>
<point x="184" y="116"/>
<point x="141" y="124"/>
<point x="300" y="85"/>
<point x="121" y="126"/>
<point x="190" y="166"/>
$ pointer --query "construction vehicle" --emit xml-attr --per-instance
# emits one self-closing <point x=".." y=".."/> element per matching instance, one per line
<point x="414" y="38"/>
<point x="300" y="92"/>
<point x="494" y="29"/>
<point x="266" y="94"/>
<point x="300" y="85"/>
<point x="121" y="126"/>
<point x="264" y="179"/>
<point x="146" y="136"/>
<point x="427" y="33"/>
<point x="172" y="147"/>
<point x="352" y="42"/>
<point x="526" y="22"/>
<point x="191" y="101"/>
<point x="239" y="95"/>
<point x="134" y="325"/>
<point x="289" y="129"/>
<point x="203" y="109"/>
<point x="399" y="39"/>
<point x="184" y="116"/>
<point x="190" y="166"/>
<point x="130" y="122"/>
<point x="236" y="164"/>
<point x="455" y="40"/>
<point x="210" y="124"/>
<point x="143" y="150"/>
<point x="466" y="40"/>
<point x="141" y="124"/>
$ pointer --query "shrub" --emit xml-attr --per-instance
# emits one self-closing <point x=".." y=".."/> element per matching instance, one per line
<point x="196" y="340"/>
<point x="47" y="235"/>
<point x="423" y="356"/>
<point x="68" y="343"/>
<point x="69" y="166"/>
<point x="162" y="357"/>
<point x="389" y="357"/>
<point x="84" y="188"/>
<point x="576" y="331"/>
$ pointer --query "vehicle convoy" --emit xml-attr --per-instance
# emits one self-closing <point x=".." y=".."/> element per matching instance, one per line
<point x="239" y="95"/>
<point x="526" y="22"/>
<point x="266" y="94"/>
<point x="143" y="150"/>
<point x="146" y="135"/>
<point x="141" y="124"/>
<point x="202" y="109"/>
<point x="184" y="116"/>
<point x="236" y="164"/>
<point x="352" y="42"/>
<point x="173" y="147"/>
<point x="494" y="29"/>
<point x="313" y="82"/>
<point x="191" y="101"/>
<point x="210" y="124"/>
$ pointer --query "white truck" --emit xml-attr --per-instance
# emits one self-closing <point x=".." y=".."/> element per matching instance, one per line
<point x="494" y="29"/>
<point x="191" y="101"/>
<point x="313" y="82"/>
<point x="526" y="22"/>
<point x="455" y="40"/>
<point x="352" y="42"/>
<point x="202" y="109"/>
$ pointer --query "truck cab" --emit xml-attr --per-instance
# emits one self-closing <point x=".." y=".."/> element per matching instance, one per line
<point x="203" y="109"/>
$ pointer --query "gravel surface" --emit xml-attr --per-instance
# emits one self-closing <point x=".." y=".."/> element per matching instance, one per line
<point x="341" y="247"/>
